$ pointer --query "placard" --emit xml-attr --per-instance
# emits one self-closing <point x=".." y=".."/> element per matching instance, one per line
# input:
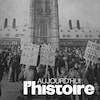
<point x="47" y="55"/>
<point x="92" y="52"/>
<point x="30" y="54"/>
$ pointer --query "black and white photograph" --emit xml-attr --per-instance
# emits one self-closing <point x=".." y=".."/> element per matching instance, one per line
<point x="49" y="49"/>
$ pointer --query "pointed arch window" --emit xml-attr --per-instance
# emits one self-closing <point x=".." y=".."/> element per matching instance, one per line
<point x="43" y="31"/>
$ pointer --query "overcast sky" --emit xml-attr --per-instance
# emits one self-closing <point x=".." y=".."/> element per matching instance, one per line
<point x="87" y="11"/>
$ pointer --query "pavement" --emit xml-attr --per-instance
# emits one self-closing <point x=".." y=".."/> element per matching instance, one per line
<point x="10" y="90"/>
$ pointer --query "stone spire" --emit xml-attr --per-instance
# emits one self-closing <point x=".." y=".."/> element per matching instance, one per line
<point x="44" y="21"/>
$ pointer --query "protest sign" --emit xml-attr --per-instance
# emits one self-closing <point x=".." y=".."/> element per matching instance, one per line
<point x="30" y="54"/>
<point x="92" y="52"/>
<point x="44" y="54"/>
<point x="47" y="55"/>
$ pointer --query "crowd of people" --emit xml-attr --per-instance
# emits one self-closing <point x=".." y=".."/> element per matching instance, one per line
<point x="69" y="63"/>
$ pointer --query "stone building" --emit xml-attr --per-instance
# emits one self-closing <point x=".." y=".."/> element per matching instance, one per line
<point x="78" y="36"/>
<point x="14" y="35"/>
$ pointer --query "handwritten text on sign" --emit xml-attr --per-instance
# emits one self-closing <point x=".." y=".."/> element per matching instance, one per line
<point x="92" y="52"/>
<point x="30" y="55"/>
<point x="47" y="56"/>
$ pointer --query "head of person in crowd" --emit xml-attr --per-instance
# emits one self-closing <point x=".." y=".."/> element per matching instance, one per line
<point x="82" y="63"/>
<point x="76" y="65"/>
<point x="73" y="59"/>
<point x="65" y="58"/>
<point x="15" y="53"/>
<point x="91" y="65"/>
<point x="96" y="85"/>
<point x="63" y="71"/>
<point x="56" y="53"/>
<point x="80" y="56"/>
<point x="60" y="53"/>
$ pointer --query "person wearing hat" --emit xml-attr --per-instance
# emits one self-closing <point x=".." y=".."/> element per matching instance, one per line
<point x="75" y="71"/>
<point x="59" y="63"/>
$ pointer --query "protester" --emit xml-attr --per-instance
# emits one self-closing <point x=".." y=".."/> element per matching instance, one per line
<point x="97" y="72"/>
<point x="59" y="62"/>
<point x="9" y="66"/>
<point x="15" y="65"/>
<point x="90" y="75"/>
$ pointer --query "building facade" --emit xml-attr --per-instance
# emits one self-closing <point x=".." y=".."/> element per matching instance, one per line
<point x="78" y="36"/>
<point x="14" y="35"/>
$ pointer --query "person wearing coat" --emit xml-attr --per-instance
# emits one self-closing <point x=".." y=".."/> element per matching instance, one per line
<point x="1" y="69"/>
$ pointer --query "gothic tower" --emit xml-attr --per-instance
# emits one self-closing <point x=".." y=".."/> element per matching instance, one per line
<point x="44" y="22"/>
